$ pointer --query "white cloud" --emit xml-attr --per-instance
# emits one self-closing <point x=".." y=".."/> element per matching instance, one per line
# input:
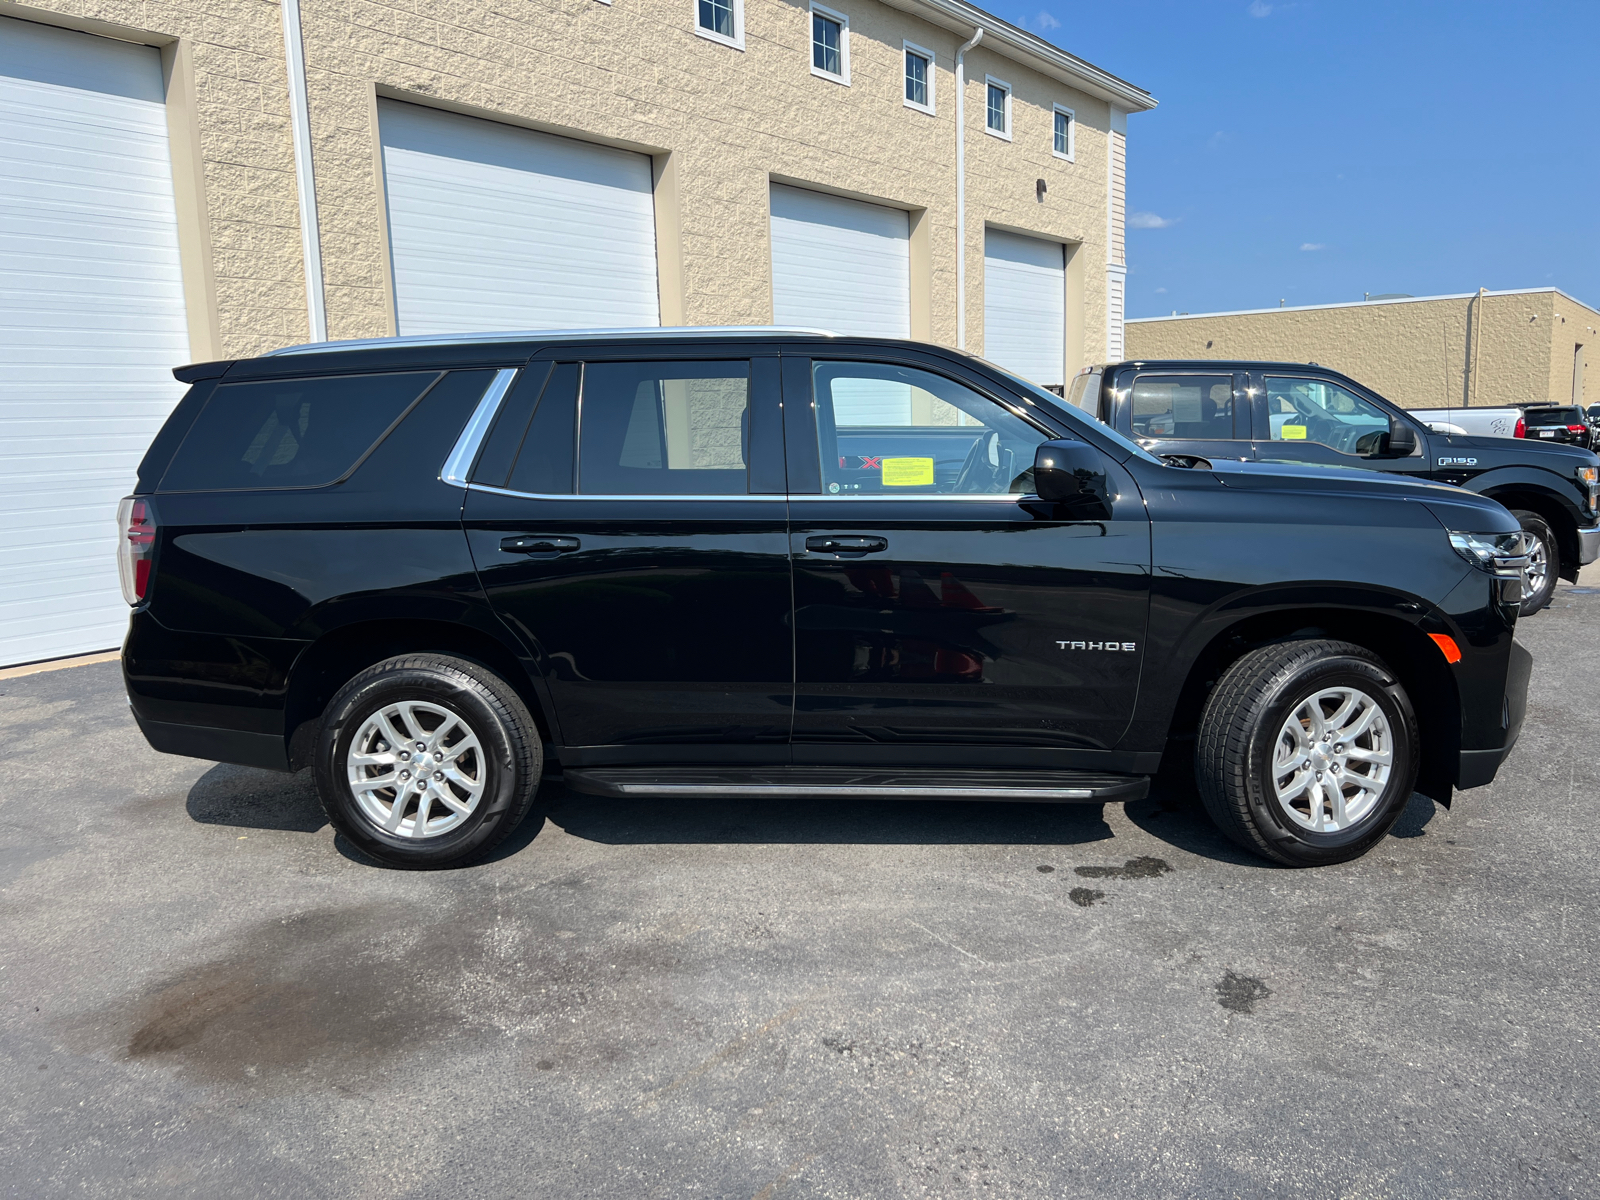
<point x="1149" y="220"/>
<point x="1046" y="20"/>
<point x="1161" y="291"/>
<point x="1260" y="9"/>
<point x="1313" y="245"/>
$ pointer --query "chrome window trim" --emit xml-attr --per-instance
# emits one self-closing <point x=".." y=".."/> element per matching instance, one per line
<point x="458" y="466"/>
<point x="551" y="335"/>
<point x="499" y="491"/>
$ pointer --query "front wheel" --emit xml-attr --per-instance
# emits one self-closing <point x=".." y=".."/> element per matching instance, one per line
<point x="1544" y="562"/>
<point x="1307" y="752"/>
<point x="427" y="761"/>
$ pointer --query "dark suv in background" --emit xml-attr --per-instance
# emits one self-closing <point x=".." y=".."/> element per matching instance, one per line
<point x="1303" y="413"/>
<point x="757" y="563"/>
<point x="1559" y="423"/>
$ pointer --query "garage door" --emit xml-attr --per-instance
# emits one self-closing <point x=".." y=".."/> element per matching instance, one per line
<point x="495" y="227"/>
<point x="91" y="324"/>
<point x="1024" y="306"/>
<point x="840" y="264"/>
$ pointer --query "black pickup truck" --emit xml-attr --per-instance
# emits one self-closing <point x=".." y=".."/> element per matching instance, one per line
<point x="1300" y="412"/>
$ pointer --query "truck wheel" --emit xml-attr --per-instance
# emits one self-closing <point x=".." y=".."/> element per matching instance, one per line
<point x="427" y="761"/>
<point x="1544" y="562"/>
<point x="1307" y="752"/>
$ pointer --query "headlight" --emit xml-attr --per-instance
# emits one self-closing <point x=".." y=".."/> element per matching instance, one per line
<point x="1504" y="554"/>
<point x="1589" y="475"/>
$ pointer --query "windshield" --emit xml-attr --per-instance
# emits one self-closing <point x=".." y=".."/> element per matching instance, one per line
<point x="1059" y="408"/>
<point x="1555" y="416"/>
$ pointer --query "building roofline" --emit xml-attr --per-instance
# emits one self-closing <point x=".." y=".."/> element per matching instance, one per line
<point x="1004" y="38"/>
<point x="1251" y="312"/>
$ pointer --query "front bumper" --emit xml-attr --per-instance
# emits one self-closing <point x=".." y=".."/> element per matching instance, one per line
<point x="1588" y="545"/>
<point x="1478" y="767"/>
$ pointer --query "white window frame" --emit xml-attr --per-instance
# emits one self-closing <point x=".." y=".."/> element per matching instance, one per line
<point x="909" y="48"/>
<point x="990" y="81"/>
<point x="844" y="44"/>
<point x="1072" y="133"/>
<point x="711" y="35"/>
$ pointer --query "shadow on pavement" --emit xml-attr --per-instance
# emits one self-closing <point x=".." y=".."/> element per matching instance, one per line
<point x="249" y="798"/>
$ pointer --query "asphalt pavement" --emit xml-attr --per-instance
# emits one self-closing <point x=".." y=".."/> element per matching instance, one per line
<point x="204" y="992"/>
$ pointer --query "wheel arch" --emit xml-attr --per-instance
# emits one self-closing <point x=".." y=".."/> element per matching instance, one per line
<point x="333" y="659"/>
<point x="1559" y="512"/>
<point x="1405" y="649"/>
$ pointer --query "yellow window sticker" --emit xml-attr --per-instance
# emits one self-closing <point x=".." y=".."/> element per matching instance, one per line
<point x="907" y="472"/>
<point x="1294" y="433"/>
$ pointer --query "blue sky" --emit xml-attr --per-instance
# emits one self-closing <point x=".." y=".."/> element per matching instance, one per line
<point x="1316" y="150"/>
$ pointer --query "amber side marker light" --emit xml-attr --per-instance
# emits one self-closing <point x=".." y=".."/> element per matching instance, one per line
<point x="1447" y="647"/>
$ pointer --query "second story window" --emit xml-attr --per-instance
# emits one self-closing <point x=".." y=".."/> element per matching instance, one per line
<point x="830" y="44"/>
<point x="1065" y="127"/>
<point x="919" y="78"/>
<point x="721" y="21"/>
<point x="997" y="113"/>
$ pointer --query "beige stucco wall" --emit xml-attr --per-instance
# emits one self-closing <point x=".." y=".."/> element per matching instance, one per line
<point x="1415" y="352"/>
<point x="721" y="124"/>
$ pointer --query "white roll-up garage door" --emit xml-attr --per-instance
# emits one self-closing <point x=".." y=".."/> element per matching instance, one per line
<point x="496" y="227"/>
<point x="91" y="324"/>
<point x="840" y="264"/>
<point x="1024" y="305"/>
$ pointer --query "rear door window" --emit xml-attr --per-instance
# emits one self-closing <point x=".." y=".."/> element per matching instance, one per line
<point x="664" y="429"/>
<point x="1189" y="407"/>
<point x="291" y="433"/>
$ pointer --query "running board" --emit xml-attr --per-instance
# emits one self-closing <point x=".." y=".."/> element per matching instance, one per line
<point x="908" y="783"/>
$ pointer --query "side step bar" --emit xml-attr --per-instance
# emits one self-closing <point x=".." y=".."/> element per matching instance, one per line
<point x="908" y="783"/>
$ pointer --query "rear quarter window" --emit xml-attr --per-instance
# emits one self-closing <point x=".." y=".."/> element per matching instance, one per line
<point x="291" y="433"/>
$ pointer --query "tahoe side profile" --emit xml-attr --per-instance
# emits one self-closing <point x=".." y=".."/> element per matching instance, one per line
<point x="1300" y="412"/>
<point x="766" y="562"/>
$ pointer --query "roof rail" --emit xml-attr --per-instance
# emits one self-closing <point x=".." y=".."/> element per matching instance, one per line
<point x="545" y="335"/>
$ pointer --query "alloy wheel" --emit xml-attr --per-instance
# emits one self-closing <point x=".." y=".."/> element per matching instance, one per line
<point x="416" y="769"/>
<point x="1332" y="760"/>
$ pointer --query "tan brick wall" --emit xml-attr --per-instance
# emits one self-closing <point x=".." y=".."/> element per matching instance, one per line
<point x="1414" y="352"/>
<point x="632" y="74"/>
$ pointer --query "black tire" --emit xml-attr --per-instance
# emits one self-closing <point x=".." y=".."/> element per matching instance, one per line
<point x="1532" y="523"/>
<point x="498" y="752"/>
<point x="1245" y="716"/>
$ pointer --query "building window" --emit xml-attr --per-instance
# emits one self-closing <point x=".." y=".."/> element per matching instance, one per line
<point x="997" y="113"/>
<point x="1066" y="133"/>
<point x="721" y="21"/>
<point x="919" y="78"/>
<point x="830" y="44"/>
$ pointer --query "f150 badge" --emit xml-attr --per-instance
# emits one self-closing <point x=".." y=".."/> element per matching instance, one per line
<point x="1114" y="646"/>
<point x="1458" y="462"/>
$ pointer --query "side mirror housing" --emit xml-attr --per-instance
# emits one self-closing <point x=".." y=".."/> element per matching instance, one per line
<point x="1073" y="474"/>
<point x="1402" y="440"/>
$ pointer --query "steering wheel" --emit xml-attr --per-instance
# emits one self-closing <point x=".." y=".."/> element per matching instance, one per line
<point x="981" y="470"/>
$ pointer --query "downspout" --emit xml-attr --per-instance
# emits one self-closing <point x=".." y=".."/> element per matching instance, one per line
<point x="300" y="131"/>
<point x="961" y="187"/>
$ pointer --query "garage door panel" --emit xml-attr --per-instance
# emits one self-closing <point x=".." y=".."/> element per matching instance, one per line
<point x="495" y="227"/>
<point x="840" y="264"/>
<point x="91" y="323"/>
<point x="1024" y="305"/>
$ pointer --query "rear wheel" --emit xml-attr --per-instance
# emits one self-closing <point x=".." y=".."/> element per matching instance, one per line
<point x="1307" y="752"/>
<point x="427" y="761"/>
<point x="1544" y="562"/>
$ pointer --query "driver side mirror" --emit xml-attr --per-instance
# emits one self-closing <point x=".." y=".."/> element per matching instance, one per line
<point x="1402" y="440"/>
<point x="1073" y="474"/>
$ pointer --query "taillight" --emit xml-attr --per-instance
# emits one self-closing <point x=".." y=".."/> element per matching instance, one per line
<point x="1521" y="429"/>
<point x="1574" y="428"/>
<point x="136" y="521"/>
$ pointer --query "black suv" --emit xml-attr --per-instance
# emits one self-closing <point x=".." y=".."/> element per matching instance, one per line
<point x="1300" y="412"/>
<point x="772" y="562"/>
<point x="1558" y="423"/>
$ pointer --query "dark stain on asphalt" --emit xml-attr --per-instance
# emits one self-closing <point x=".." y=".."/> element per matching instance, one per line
<point x="1143" y="867"/>
<point x="1084" y="897"/>
<point x="1046" y="869"/>
<point x="1240" y="993"/>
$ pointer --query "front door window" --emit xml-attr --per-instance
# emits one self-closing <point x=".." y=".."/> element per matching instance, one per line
<point x="887" y="430"/>
<point x="1315" y="410"/>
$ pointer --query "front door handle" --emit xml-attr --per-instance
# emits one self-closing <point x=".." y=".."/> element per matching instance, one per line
<point x="537" y="543"/>
<point x="847" y="543"/>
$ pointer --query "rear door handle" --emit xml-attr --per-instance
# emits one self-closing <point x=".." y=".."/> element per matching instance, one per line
<point x="847" y="543"/>
<point x="537" y="543"/>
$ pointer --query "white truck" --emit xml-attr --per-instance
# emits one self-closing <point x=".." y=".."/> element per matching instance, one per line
<point x="1472" y="422"/>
